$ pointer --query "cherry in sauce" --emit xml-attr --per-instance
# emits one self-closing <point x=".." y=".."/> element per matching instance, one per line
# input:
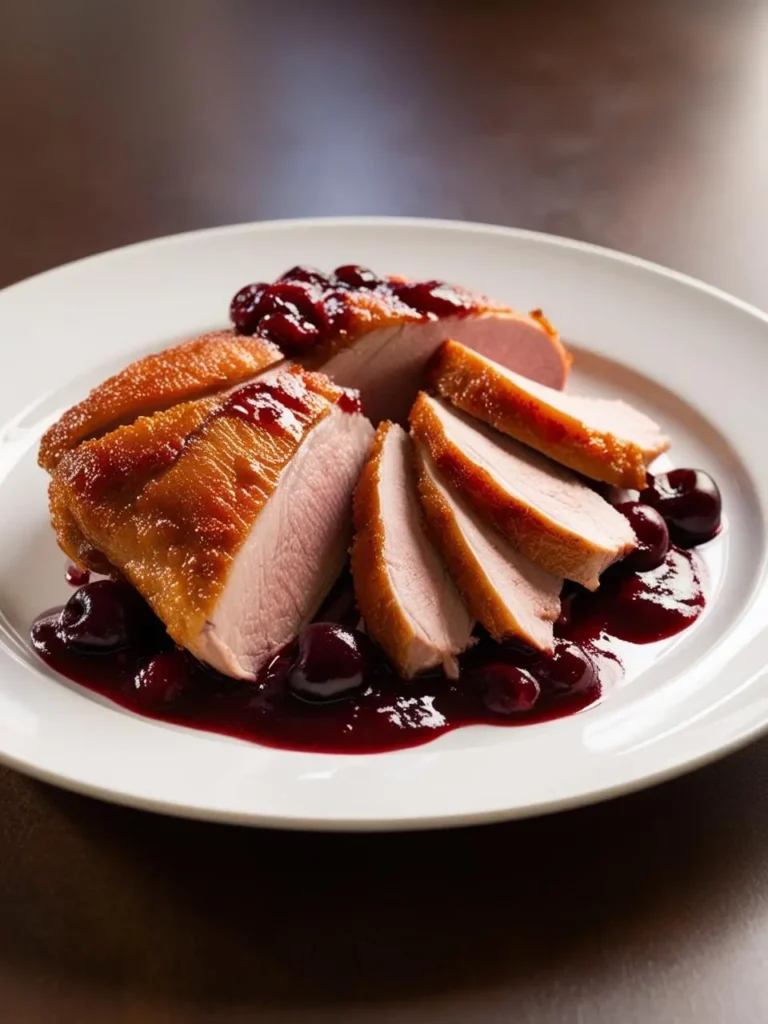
<point x="434" y="297"/>
<point x="330" y="664"/>
<point x="75" y="576"/>
<point x="274" y="404"/>
<point x="652" y="536"/>
<point x="355" y="276"/>
<point x="690" y="502"/>
<point x="245" y="308"/>
<point x="105" y="617"/>
<point x="505" y="688"/>
<point x="162" y="680"/>
<point x="305" y="307"/>
<point x="358" y="704"/>
<point x="331" y="690"/>
<point x="306" y="275"/>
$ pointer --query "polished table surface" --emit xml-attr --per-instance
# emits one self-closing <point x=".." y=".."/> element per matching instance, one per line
<point x="642" y="126"/>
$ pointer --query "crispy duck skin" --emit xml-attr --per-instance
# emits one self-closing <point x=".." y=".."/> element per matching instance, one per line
<point x="170" y="501"/>
<point x="545" y="511"/>
<point x="604" y="439"/>
<point x="404" y="593"/>
<point x="98" y="483"/>
<point x="194" y="369"/>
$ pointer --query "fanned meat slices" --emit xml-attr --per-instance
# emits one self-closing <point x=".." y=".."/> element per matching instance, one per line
<point x="373" y="340"/>
<point x="383" y="342"/>
<point x="410" y="606"/>
<point x="194" y="369"/>
<point x="218" y="478"/>
<point x="504" y="590"/>
<point x="545" y="511"/>
<point x="603" y="439"/>
<point x="234" y="532"/>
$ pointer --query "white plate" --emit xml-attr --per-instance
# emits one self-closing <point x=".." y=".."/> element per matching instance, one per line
<point x="692" y="356"/>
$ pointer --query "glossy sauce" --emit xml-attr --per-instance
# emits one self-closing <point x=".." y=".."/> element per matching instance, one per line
<point x="390" y="713"/>
<point x="276" y="405"/>
<point x="332" y="690"/>
<point x="306" y="307"/>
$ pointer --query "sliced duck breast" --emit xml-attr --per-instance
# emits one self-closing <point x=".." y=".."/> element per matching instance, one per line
<point x="506" y="592"/>
<point x="196" y="368"/>
<point x="386" y="363"/>
<point x="375" y="334"/>
<point x="404" y="592"/>
<point x="603" y="439"/>
<point x="238" y="532"/>
<point x="546" y="512"/>
<point x="379" y="336"/>
<point x="385" y="360"/>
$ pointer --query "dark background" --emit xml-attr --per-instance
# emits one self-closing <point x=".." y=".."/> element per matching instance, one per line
<point x="640" y="125"/>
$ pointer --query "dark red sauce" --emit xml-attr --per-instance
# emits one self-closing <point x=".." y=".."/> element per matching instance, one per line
<point x="350" y="401"/>
<point x="273" y="404"/>
<point x="435" y="297"/>
<point x="76" y="577"/>
<point x="305" y="306"/>
<point x="147" y="675"/>
<point x="256" y="404"/>
<point x="332" y="690"/>
<point x="640" y="607"/>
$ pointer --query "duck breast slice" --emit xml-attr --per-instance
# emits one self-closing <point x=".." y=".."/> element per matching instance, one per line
<point x="405" y="594"/>
<point x="545" y="511"/>
<point x="601" y="438"/>
<point x="235" y="534"/>
<point x="384" y="358"/>
<point x="506" y="592"/>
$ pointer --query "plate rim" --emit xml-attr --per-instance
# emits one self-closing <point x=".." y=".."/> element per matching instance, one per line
<point x="374" y="220"/>
<point x="460" y="818"/>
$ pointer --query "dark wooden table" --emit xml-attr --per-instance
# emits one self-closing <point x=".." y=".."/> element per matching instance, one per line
<point x="638" y="125"/>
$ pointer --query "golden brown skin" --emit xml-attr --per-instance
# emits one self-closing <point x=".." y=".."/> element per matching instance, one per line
<point x="194" y="369"/>
<point x="472" y="384"/>
<point x="108" y="474"/>
<point x="169" y="500"/>
<point x="560" y="552"/>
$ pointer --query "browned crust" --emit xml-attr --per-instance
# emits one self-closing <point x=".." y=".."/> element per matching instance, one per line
<point x="472" y="384"/>
<point x="378" y="604"/>
<point x="170" y="499"/>
<point x="483" y="601"/>
<point x="559" y="551"/>
<point x="194" y="369"/>
<point x="104" y="476"/>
